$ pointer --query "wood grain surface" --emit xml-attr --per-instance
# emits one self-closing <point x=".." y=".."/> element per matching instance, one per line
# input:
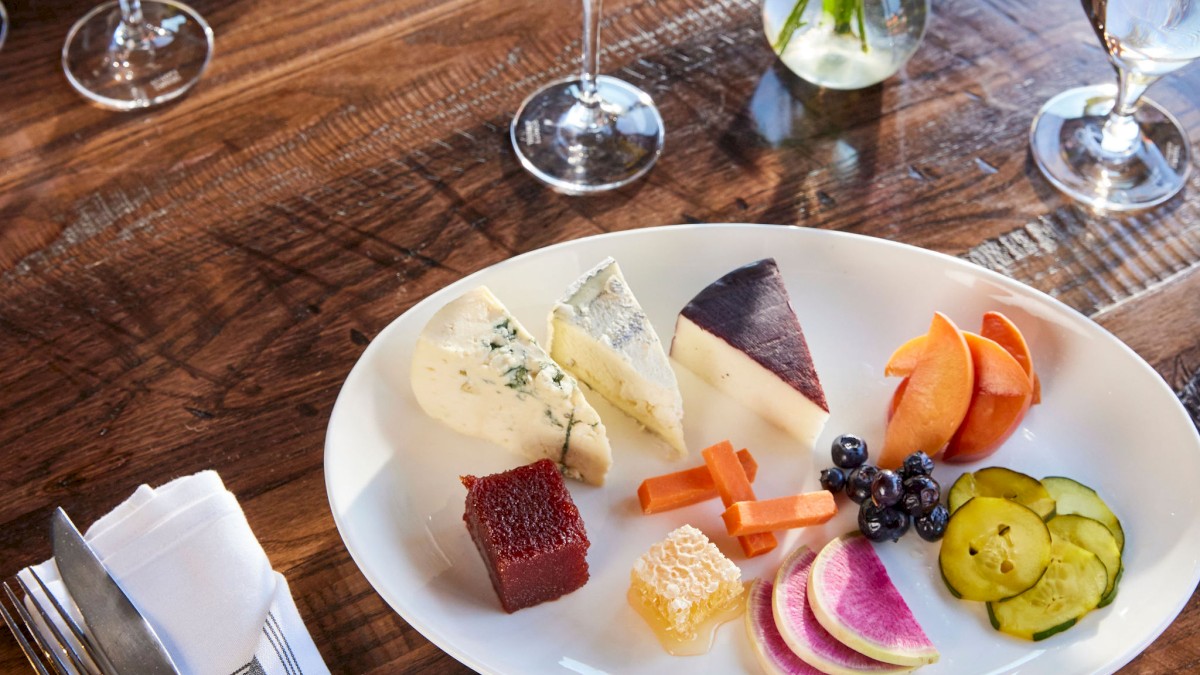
<point x="187" y="287"/>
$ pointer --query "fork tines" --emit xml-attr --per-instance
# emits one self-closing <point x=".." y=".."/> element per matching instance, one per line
<point x="30" y="650"/>
<point x="45" y="645"/>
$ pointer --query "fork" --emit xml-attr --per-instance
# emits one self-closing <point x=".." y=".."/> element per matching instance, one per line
<point x="47" y="653"/>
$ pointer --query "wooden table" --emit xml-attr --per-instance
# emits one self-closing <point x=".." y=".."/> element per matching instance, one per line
<point x="186" y="288"/>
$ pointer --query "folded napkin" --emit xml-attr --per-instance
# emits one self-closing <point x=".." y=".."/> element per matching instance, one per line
<point x="186" y="557"/>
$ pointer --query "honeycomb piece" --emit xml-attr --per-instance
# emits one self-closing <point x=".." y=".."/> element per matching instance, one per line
<point x="529" y="532"/>
<point x="684" y="579"/>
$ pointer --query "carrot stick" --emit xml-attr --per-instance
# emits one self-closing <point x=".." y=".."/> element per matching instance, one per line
<point x="802" y="510"/>
<point x="687" y="487"/>
<point x="733" y="486"/>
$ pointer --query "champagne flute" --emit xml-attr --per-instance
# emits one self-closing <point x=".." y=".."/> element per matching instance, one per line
<point x="1106" y="145"/>
<point x="129" y="54"/>
<point x="588" y="133"/>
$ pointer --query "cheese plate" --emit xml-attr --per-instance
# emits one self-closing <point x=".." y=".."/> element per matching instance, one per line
<point x="392" y="473"/>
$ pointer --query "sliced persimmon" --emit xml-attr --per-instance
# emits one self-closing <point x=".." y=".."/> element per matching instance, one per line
<point x="991" y="419"/>
<point x="1003" y="376"/>
<point x="904" y="359"/>
<point x="936" y="397"/>
<point x="1002" y="395"/>
<point x="896" y="396"/>
<point x="996" y="370"/>
<point x="1003" y="331"/>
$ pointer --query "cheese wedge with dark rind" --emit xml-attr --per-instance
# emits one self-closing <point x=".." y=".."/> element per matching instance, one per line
<point x="741" y="335"/>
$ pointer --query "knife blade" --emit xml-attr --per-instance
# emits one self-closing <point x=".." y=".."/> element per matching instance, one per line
<point x="126" y="640"/>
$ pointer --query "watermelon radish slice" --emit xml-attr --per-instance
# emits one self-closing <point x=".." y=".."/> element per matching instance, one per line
<point x="773" y="653"/>
<point x="854" y="599"/>
<point x="801" y="631"/>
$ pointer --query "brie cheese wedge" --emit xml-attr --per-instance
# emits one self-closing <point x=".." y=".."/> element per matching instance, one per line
<point x="600" y="334"/>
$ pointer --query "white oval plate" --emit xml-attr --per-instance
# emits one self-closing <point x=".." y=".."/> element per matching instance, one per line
<point x="1106" y="419"/>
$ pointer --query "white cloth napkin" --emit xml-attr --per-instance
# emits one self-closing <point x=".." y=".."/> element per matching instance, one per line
<point x="186" y="557"/>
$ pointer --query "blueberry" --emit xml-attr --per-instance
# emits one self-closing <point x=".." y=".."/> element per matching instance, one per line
<point x="932" y="526"/>
<point x="849" y="451"/>
<point x="921" y="495"/>
<point x="882" y="523"/>
<point x="870" y="522"/>
<point x="917" y="464"/>
<point x="886" y="489"/>
<point x="858" y="483"/>
<point x="833" y="479"/>
<point x="896" y="521"/>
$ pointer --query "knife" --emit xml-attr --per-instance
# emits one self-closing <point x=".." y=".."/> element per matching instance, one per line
<point x="125" y="640"/>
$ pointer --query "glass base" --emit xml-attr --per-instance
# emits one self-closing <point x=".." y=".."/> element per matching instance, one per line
<point x="128" y="67"/>
<point x="1065" y="142"/>
<point x="578" y="148"/>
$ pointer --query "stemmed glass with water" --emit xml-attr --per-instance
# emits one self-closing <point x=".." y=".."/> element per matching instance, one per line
<point x="588" y="133"/>
<point x="1106" y="145"/>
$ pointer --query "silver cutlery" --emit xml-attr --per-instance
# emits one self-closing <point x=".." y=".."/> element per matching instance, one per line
<point x="47" y="649"/>
<point x="123" y="639"/>
<point x="118" y="640"/>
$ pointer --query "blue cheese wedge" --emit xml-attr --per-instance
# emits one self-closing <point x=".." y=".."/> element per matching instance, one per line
<point x="600" y="334"/>
<point x="479" y="372"/>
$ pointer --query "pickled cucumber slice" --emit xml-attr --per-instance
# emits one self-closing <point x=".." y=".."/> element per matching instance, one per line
<point x="1075" y="497"/>
<point x="996" y="481"/>
<point x="1095" y="537"/>
<point x="993" y="549"/>
<point x="1071" y="587"/>
<point x="1108" y="597"/>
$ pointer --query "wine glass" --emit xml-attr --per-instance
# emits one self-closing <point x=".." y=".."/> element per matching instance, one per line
<point x="589" y="133"/>
<point x="129" y="54"/>
<point x="1106" y="145"/>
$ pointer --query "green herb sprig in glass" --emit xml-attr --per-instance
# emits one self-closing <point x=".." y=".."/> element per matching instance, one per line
<point x="845" y="13"/>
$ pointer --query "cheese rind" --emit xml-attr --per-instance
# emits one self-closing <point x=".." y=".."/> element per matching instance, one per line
<point x="600" y="334"/>
<point x="741" y="335"/>
<point x="476" y="369"/>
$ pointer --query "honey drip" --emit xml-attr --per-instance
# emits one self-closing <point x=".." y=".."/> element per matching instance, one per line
<point x="706" y="631"/>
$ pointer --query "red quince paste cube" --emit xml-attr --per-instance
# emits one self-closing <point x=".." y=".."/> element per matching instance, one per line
<point x="529" y="532"/>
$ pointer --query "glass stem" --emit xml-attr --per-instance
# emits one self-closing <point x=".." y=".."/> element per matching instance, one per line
<point x="131" y="12"/>
<point x="1121" y="136"/>
<point x="591" y="51"/>
<point x="132" y="33"/>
